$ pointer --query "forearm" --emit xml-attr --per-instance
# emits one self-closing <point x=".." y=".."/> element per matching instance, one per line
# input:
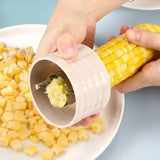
<point x="99" y="8"/>
<point x="96" y="9"/>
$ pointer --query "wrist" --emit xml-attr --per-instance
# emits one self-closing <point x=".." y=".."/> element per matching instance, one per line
<point x="98" y="9"/>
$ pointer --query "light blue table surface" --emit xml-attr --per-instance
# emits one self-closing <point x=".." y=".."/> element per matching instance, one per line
<point x="138" y="137"/>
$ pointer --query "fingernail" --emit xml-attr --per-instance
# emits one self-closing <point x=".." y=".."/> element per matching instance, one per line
<point x="67" y="51"/>
<point x="133" y="35"/>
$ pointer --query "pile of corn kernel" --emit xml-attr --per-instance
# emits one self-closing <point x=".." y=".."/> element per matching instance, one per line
<point x="18" y="118"/>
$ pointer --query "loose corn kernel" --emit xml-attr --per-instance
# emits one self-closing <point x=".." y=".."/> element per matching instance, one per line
<point x="24" y="76"/>
<point x="72" y="137"/>
<point x="2" y="101"/>
<point x="4" y="140"/>
<point x="1" y="111"/>
<point x="23" y="133"/>
<point x="3" y="131"/>
<point x="31" y="150"/>
<point x="62" y="139"/>
<point x="47" y="154"/>
<point x="15" y="68"/>
<point x="10" y="60"/>
<point x="65" y="130"/>
<point x="28" y="113"/>
<point x="30" y="105"/>
<point x="40" y="127"/>
<point x="13" y="84"/>
<point x="28" y="96"/>
<point x="56" y="132"/>
<point x="20" y="98"/>
<point x="17" y="78"/>
<point x="57" y="149"/>
<point x="2" y="45"/>
<point x="19" y="116"/>
<point x="20" y="105"/>
<point x="35" y="111"/>
<point x="29" y="50"/>
<point x="46" y="136"/>
<point x="49" y="143"/>
<point x="97" y="128"/>
<point x="2" y="65"/>
<point x="83" y="135"/>
<point x="7" y="116"/>
<point x="3" y="84"/>
<point x="8" y="98"/>
<point x="13" y="134"/>
<point x="9" y="91"/>
<point x="9" y="105"/>
<point x="21" y="64"/>
<point x="16" y="145"/>
<point x="21" y="54"/>
<point x="34" y="139"/>
<point x="23" y="86"/>
<point x="14" y="125"/>
<point x="76" y="128"/>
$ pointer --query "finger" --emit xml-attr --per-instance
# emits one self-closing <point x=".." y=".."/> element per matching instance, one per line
<point x="123" y="29"/>
<point x="47" y="44"/>
<point x="132" y="83"/>
<point x="94" y="115"/>
<point x="111" y="38"/>
<point x="86" y="121"/>
<point x="90" y="34"/>
<point x="144" y="38"/>
<point x="67" y="46"/>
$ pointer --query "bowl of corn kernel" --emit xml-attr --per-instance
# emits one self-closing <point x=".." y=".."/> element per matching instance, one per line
<point x="23" y="132"/>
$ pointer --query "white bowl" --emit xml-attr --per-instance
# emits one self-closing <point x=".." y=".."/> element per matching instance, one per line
<point x="143" y="4"/>
<point x="30" y="35"/>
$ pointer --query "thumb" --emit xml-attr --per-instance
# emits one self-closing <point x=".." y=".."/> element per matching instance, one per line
<point x="67" y="46"/>
<point x="144" y="38"/>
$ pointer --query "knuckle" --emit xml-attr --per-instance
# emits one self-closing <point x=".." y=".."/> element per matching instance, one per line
<point x="150" y="40"/>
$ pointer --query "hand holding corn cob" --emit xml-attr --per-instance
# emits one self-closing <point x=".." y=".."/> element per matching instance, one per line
<point x="149" y="74"/>
<point x="121" y="58"/>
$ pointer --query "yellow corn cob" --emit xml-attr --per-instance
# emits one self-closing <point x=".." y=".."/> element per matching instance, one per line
<point x="122" y="58"/>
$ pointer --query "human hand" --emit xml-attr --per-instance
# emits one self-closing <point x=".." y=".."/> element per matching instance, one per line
<point x="73" y="22"/>
<point x="69" y="25"/>
<point x="149" y="73"/>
